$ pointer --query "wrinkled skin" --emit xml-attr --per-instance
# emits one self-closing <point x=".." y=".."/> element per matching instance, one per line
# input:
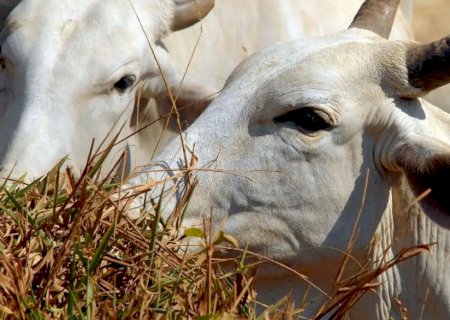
<point x="292" y="192"/>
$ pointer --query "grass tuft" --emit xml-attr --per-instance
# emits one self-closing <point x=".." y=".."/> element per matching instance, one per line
<point x="68" y="251"/>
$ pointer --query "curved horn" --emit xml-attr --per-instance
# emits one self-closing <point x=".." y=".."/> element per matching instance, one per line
<point x="429" y="64"/>
<point x="189" y="12"/>
<point x="377" y="16"/>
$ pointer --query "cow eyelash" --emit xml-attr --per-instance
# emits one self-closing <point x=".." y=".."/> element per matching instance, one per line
<point x="125" y="83"/>
<point x="2" y="60"/>
<point x="305" y="118"/>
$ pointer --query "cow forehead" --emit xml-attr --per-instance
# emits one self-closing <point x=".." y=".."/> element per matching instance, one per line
<point x="308" y="72"/>
<point x="66" y="20"/>
<point x="273" y="62"/>
<point x="53" y="12"/>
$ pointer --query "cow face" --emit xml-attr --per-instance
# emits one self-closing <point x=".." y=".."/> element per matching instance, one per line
<point x="303" y="136"/>
<point x="71" y="71"/>
<point x="287" y="135"/>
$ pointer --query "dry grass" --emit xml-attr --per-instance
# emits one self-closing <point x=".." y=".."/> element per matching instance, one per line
<point x="68" y="251"/>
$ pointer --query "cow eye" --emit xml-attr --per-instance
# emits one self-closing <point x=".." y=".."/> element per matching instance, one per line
<point x="305" y="118"/>
<point x="124" y="83"/>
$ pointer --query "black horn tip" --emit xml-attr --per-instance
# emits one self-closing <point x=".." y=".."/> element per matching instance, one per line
<point x="429" y="65"/>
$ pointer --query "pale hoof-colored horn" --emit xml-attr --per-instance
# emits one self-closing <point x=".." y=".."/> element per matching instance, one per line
<point x="377" y="16"/>
<point x="189" y="12"/>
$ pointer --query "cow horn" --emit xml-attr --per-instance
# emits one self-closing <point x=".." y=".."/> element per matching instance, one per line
<point x="189" y="12"/>
<point x="377" y="16"/>
<point x="429" y="64"/>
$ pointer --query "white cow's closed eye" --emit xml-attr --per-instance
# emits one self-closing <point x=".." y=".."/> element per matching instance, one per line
<point x="307" y="132"/>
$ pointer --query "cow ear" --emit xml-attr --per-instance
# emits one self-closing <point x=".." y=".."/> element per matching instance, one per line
<point x="6" y="6"/>
<point x="426" y="164"/>
<point x="191" y="99"/>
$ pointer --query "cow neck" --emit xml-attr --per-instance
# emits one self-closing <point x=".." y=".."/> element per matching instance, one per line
<point x="419" y="283"/>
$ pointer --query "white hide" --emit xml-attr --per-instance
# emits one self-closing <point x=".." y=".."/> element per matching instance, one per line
<point x="293" y="194"/>
<point x="62" y="63"/>
<point x="62" y="59"/>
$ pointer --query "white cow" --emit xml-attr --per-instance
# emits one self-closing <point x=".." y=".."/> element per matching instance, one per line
<point x="71" y="71"/>
<point x="284" y="152"/>
<point x="67" y="68"/>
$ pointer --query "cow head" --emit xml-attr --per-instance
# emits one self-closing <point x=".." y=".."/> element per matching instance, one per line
<point x="285" y="150"/>
<point x="71" y="71"/>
